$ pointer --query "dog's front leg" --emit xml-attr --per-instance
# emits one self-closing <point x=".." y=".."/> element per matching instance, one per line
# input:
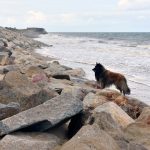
<point x="102" y="85"/>
<point x="98" y="85"/>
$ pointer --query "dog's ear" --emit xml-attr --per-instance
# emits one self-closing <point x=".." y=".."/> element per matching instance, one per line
<point x="96" y="63"/>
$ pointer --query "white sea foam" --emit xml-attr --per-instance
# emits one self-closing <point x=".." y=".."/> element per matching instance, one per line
<point x="130" y="59"/>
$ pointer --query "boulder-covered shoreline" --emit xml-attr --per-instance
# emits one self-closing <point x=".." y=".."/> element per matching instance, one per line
<point x="48" y="106"/>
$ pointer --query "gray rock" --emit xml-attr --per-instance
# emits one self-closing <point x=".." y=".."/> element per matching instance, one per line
<point x="28" y="141"/>
<point x="110" y="116"/>
<point x="18" y="39"/>
<point x="43" y="66"/>
<point x="76" y="92"/>
<point x="93" y="100"/>
<point x="139" y="132"/>
<point x="11" y="60"/>
<point x="134" y="107"/>
<point x="8" y="68"/>
<point x="91" y="138"/>
<point x="61" y="76"/>
<point x="17" y="88"/>
<point x="5" y="55"/>
<point x="53" y="69"/>
<point x="6" y="49"/>
<point x="79" y="72"/>
<point x="40" y="79"/>
<point x="32" y="70"/>
<point x="9" y="110"/>
<point x="33" y="32"/>
<point x="3" y="58"/>
<point x="66" y="67"/>
<point x="55" y="62"/>
<point x="48" y="114"/>
<point x="58" y="85"/>
<point x="1" y="43"/>
<point x="127" y="145"/>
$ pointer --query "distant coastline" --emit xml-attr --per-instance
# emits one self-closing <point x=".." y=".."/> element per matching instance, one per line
<point x="32" y="32"/>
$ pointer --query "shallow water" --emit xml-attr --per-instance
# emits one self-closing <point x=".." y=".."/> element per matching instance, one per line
<point x="128" y="54"/>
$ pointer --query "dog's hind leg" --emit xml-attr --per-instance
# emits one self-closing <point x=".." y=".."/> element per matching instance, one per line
<point x="120" y="89"/>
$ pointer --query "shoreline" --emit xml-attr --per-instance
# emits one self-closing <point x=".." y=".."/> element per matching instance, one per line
<point x="39" y="56"/>
<point x="111" y="88"/>
<point x="140" y="87"/>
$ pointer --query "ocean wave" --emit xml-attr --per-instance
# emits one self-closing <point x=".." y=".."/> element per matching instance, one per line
<point x="128" y="57"/>
<point x="79" y="62"/>
<point x="124" y="45"/>
<point x="100" y="41"/>
<point x="146" y="46"/>
<point x="140" y="83"/>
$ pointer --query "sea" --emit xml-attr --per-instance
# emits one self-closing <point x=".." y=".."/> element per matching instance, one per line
<point x="125" y="53"/>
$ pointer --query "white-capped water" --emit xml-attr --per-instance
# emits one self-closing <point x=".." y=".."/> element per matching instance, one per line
<point x="129" y="58"/>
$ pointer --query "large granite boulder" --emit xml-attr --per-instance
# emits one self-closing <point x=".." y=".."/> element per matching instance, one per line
<point x="91" y="138"/>
<point x="54" y="69"/>
<point x="91" y="101"/>
<point x="17" y="88"/>
<point x="61" y="76"/>
<point x="79" y="72"/>
<point x="28" y="141"/>
<point x="133" y="107"/>
<point x="77" y="92"/>
<point x="39" y="78"/>
<point x="145" y="116"/>
<point x="5" y="55"/>
<point x="125" y="144"/>
<point x="9" y="110"/>
<point x="7" y="68"/>
<point x="139" y="131"/>
<point x="3" y="58"/>
<point x="58" y="85"/>
<point x="1" y="42"/>
<point x="110" y="94"/>
<point x="46" y="115"/>
<point x="32" y="70"/>
<point x="109" y="116"/>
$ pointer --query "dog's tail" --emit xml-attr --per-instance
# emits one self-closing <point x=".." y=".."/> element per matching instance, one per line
<point x="125" y="88"/>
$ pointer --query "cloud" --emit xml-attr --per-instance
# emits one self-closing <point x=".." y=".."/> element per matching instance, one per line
<point x="11" y="20"/>
<point x="68" y="17"/>
<point x="79" y="18"/>
<point x="8" y="21"/>
<point x="34" y="17"/>
<point x="134" y="4"/>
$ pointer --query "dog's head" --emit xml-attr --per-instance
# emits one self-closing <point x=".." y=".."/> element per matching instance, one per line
<point x="98" y="67"/>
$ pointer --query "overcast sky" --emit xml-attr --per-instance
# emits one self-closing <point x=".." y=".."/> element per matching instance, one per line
<point x="77" y="15"/>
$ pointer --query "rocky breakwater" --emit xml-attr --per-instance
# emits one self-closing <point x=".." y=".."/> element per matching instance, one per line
<point x="29" y="32"/>
<point x="47" y="106"/>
